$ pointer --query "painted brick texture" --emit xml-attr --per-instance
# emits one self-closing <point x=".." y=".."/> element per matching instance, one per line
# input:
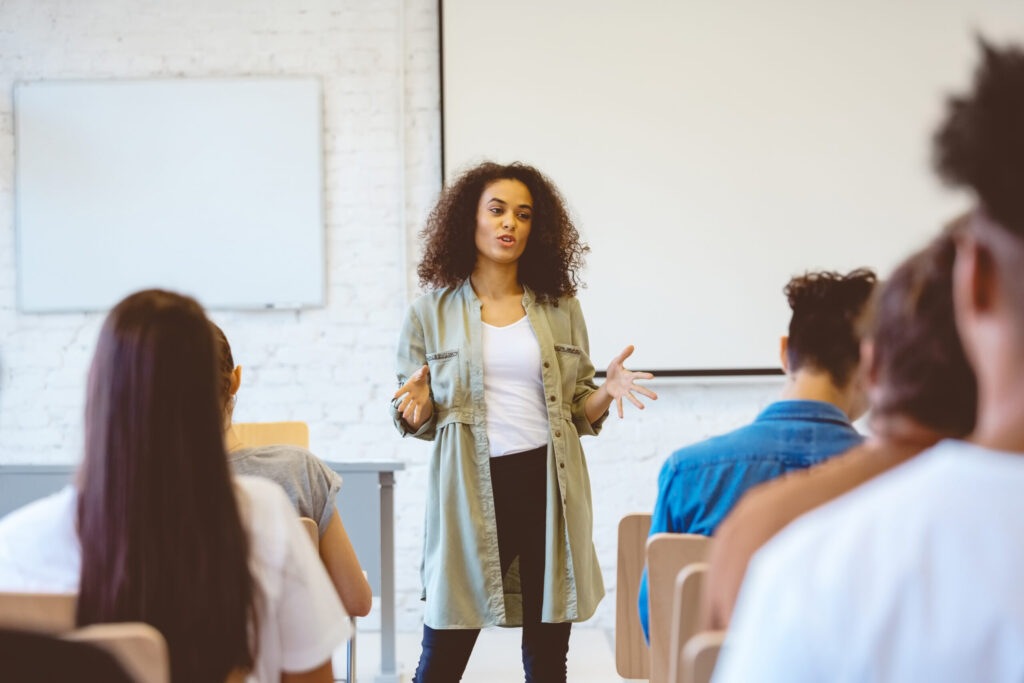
<point x="332" y="367"/>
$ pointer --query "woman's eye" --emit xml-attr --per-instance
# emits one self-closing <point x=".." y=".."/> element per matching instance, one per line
<point x="525" y="216"/>
<point x="495" y="210"/>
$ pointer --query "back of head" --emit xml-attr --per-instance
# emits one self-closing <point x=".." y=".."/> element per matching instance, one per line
<point x="980" y="145"/>
<point x="824" y="331"/>
<point x="918" y="362"/>
<point x="162" y="538"/>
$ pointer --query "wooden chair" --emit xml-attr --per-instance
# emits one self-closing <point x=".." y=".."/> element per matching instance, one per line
<point x="350" y="648"/>
<point x="139" y="648"/>
<point x="631" y="656"/>
<point x="700" y="654"/>
<point x="686" y="604"/>
<point x="667" y="555"/>
<point x="49" y="613"/>
<point x="252" y="434"/>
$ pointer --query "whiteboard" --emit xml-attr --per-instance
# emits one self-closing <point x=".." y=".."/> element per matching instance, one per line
<point x="209" y="187"/>
<point x="711" y="150"/>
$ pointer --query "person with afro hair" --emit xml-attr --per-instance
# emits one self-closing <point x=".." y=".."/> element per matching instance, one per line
<point x="915" y="575"/>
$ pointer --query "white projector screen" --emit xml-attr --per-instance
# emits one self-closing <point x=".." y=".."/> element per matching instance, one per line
<point x="210" y="187"/>
<point x="711" y="150"/>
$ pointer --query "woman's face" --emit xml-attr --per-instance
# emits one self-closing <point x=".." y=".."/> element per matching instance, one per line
<point x="503" y="218"/>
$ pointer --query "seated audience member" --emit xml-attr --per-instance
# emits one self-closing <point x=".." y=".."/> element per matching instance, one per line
<point x="922" y="390"/>
<point x="310" y="484"/>
<point x="915" y="575"/>
<point x="699" y="484"/>
<point x="156" y="530"/>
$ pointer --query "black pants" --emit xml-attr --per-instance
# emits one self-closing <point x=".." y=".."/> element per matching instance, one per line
<point x="519" y="482"/>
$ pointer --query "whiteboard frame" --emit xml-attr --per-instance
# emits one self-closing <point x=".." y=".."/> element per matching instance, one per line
<point x="231" y="262"/>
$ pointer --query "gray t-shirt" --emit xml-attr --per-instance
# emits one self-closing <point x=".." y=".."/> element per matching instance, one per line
<point x="310" y="484"/>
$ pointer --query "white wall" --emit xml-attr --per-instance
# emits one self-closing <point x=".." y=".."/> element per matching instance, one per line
<point x="332" y="367"/>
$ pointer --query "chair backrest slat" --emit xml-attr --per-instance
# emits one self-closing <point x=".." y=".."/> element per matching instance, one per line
<point x="631" y="657"/>
<point x="667" y="555"/>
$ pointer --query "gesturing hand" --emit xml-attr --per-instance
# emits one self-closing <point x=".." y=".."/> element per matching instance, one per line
<point x="621" y="383"/>
<point x="416" y="406"/>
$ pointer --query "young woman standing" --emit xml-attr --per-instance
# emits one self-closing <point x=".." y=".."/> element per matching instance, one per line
<point x="493" y="367"/>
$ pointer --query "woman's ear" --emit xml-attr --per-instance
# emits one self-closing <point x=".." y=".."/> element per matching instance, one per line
<point x="784" y="353"/>
<point x="236" y="379"/>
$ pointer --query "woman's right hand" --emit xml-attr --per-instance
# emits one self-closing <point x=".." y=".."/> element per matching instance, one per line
<point x="416" y="406"/>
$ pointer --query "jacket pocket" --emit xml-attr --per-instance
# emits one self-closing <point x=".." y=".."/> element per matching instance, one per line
<point x="568" y="363"/>
<point x="446" y="381"/>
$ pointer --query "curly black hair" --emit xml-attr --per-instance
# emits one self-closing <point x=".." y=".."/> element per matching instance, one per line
<point x="824" y="332"/>
<point x="553" y="257"/>
<point x="980" y="144"/>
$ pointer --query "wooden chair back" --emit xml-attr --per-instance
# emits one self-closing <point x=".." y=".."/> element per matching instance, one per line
<point x="700" y="656"/>
<point x="667" y="555"/>
<point x="139" y="648"/>
<point x="252" y="434"/>
<point x="686" y="603"/>
<point x="631" y="657"/>
<point x="48" y="613"/>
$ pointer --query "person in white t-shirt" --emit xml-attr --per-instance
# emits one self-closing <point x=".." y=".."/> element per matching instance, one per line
<point x="156" y="530"/>
<point x="915" y="576"/>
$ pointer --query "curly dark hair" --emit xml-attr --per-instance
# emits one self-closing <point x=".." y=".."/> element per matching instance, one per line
<point x="824" y="332"/>
<point x="553" y="256"/>
<point x="918" y="358"/>
<point x="980" y="144"/>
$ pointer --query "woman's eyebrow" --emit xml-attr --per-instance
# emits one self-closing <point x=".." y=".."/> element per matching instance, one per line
<point x="502" y="201"/>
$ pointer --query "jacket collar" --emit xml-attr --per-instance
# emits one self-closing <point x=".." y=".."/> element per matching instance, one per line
<point x="466" y="289"/>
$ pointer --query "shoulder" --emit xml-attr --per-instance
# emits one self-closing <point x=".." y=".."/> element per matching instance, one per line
<point x="282" y="456"/>
<point x="723" y="449"/>
<point x="435" y="300"/>
<point x="39" y="548"/>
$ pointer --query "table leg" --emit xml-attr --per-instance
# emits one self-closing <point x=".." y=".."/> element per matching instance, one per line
<point x="388" y="667"/>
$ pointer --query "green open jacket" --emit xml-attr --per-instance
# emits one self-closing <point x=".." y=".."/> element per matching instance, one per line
<point x="461" y="573"/>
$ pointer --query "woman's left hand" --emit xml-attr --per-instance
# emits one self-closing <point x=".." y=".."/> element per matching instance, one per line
<point x="621" y="383"/>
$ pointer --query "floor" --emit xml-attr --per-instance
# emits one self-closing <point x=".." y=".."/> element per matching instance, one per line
<point x="496" y="657"/>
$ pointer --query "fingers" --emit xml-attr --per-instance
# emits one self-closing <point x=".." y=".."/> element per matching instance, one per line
<point x="644" y="391"/>
<point x="618" y="404"/>
<point x="634" y="400"/>
<point x="416" y="414"/>
<point x="626" y="353"/>
<point x="642" y="375"/>
<point x="410" y="412"/>
<point x="421" y="375"/>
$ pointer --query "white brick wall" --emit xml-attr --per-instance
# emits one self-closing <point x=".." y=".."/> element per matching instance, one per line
<point x="331" y="367"/>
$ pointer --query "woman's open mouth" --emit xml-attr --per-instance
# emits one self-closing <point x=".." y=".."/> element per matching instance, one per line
<point x="507" y="240"/>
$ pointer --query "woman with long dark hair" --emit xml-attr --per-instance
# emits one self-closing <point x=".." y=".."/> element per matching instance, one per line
<point x="157" y="531"/>
<point x="494" y="367"/>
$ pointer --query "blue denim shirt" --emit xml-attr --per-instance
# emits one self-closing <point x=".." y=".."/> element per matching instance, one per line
<point x="699" y="485"/>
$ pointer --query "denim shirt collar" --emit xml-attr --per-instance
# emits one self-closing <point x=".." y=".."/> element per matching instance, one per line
<point x="797" y="409"/>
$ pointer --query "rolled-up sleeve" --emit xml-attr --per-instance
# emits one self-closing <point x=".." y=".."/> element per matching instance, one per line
<point x="412" y="355"/>
<point x="585" y="385"/>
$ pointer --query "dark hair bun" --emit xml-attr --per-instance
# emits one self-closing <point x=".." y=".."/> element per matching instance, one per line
<point x="824" y="331"/>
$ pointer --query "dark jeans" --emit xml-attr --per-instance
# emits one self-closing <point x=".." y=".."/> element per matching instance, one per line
<point x="519" y="482"/>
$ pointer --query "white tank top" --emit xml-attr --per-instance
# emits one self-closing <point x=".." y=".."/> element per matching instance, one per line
<point x="517" y="417"/>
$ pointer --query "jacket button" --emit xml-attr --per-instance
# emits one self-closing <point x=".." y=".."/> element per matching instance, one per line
<point x="558" y="434"/>
<point x="562" y="465"/>
<point x="547" y="364"/>
<point x="550" y="398"/>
